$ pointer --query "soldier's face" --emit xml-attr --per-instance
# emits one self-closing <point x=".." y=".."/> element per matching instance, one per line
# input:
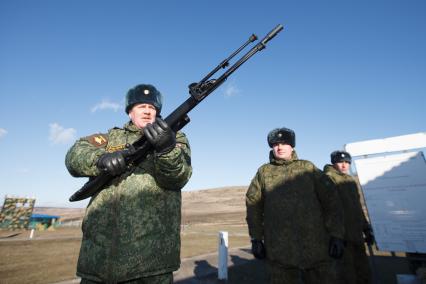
<point x="142" y="114"/>
<point x="342" y="167"/>
<point x="282" y="151"/>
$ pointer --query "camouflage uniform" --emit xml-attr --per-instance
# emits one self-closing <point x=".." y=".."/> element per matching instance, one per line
<point x="354" y="267"/>
<point x="131" y="229"/>
<point x="294" y="208"/>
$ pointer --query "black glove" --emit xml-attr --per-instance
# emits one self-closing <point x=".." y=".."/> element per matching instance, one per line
<point x="160" y="135"/>
<point x="336" y="247"/>
<point x="113" y="163"/>
<point x="369" y="236"/>
<point x="258" y="249"/>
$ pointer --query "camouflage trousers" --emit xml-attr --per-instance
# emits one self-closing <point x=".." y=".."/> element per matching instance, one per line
<point x="320" y="274"/>
<point x="166" y="278"/>
<point x="354" y="267"/>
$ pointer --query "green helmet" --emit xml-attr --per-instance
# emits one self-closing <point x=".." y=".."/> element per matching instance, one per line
<point x="282" y="135"/>
<point x="144" y="94"/>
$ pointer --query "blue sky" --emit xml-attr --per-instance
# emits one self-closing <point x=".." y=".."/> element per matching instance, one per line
<point x="339" y="72"/>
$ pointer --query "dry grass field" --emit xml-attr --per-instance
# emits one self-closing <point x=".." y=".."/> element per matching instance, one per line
<point x="51" y="255"/>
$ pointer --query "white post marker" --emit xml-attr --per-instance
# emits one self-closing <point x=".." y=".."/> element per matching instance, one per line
<point x="223" y="256"/>
<point x="32" y="234"/>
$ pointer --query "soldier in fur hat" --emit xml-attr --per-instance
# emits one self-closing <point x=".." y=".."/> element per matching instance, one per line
<point x="294" y="218"/>
<point x="354" y="266"/>
<point x="131" y="229"/>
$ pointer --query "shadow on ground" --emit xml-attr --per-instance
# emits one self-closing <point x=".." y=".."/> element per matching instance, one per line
<point x="241" y="270"/>
<point x="244" y="269"/>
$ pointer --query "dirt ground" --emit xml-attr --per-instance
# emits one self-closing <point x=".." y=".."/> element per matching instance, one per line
<point x="51" y="255"/>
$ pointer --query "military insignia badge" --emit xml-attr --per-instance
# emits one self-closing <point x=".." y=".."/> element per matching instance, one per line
<point x="97" y="140"/>
<point x="111" y="148"/>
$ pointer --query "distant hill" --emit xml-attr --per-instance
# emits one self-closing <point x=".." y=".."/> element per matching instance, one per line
<point x="65" y="213"/>
<point x="211" y="205"/>
<point x="212" y="202"/>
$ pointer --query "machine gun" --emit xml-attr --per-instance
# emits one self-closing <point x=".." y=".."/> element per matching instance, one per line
<point x="137" y="152"/>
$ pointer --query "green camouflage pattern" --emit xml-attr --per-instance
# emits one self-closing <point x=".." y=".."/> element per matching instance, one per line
<point x="348" y="189"/>
<point x="16" y="213"/>
<point x="131" y="229"/>
<point x="293" y="206"/>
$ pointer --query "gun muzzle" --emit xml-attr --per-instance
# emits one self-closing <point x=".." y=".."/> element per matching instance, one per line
<point x="253" y="37"/>
<point x="272" y="34"/>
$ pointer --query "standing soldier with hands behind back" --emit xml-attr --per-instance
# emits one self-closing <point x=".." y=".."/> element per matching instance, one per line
<point x="131" y="229"/>
<point x="354" y="266"/>
<point x="293" y="215"/>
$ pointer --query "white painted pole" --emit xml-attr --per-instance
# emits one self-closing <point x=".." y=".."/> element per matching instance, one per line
<point x="32" y="234"/>
<point x="223" y="256"/>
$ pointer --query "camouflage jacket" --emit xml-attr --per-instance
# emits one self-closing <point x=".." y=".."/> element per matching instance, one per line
<point x="131" y="229"/>
<point x="347" y="187"/>
<point x="293" y="206"/>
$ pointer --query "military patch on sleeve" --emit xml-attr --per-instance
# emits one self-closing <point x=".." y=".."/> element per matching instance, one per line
<point x="97" y="140"/>
<point x="111" y="148"/>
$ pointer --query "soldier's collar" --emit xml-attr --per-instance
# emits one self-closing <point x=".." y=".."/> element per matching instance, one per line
<point x="131" y="127"/>
<point x="274" y="160"/>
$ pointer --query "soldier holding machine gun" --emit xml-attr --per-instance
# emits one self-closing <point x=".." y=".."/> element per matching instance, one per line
<point x="131" y="229"/>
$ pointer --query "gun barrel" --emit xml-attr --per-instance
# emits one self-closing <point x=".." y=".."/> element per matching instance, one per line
<point x="272" y="33"/>
<point x="225" y="62"/>
<point x="258" y="47"/>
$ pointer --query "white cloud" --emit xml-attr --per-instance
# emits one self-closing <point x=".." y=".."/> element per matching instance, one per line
<point x="60" y="135"/>
<point x="105" y="105"/>
<point x="3" y="132"/>
<point x="231" y="90"/>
